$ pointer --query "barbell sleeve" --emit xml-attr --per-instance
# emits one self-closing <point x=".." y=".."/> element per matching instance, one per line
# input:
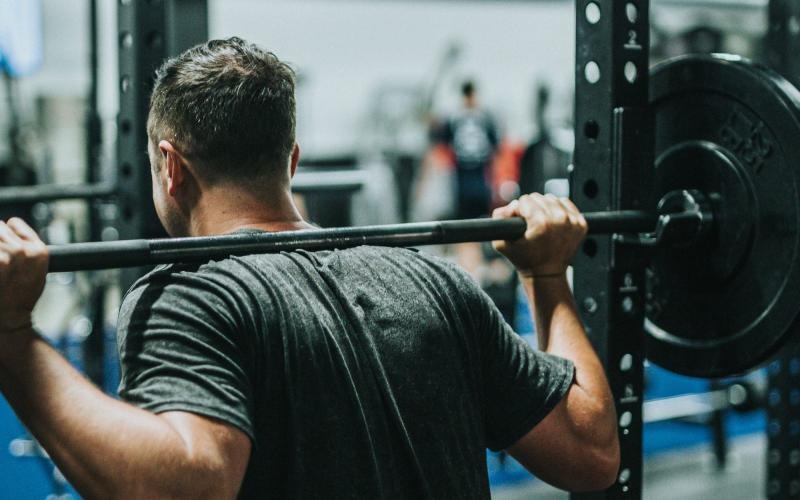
<point x="142" y="252"/>
<point x="621" y="221"/>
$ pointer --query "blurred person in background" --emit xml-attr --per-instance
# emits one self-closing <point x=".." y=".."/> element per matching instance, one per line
<point x="471" y="133"/>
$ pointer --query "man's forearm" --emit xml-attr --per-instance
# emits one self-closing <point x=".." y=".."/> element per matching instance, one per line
<point x="106" y="448"/>
<point x="560" y="332"/>
<point x="558" y="326"/>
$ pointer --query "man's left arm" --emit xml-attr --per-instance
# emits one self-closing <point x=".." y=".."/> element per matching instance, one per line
<point x="106" y="448"/>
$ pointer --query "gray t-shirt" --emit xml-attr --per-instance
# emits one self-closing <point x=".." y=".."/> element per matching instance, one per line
<point x="361" y="373"/>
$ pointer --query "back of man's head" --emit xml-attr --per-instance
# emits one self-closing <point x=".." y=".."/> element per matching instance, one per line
<point x="469" y="94"/>
<point x="229" y="107"/>
<point x="468" y="89"/>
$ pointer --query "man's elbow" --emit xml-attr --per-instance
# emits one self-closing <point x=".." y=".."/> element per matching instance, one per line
<point x="199" y="490"/>
<point x="603" y="453"/>
<point x="196" y="479"/>
<point x="601" y="469"/>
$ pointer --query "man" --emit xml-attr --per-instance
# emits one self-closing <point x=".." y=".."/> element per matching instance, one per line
<point x="362" y="373"/>
<point x="472" y="135"/>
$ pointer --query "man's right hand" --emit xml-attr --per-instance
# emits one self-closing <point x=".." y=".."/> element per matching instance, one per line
<point x="556" y="229"/>
<point x="23" y="269"/>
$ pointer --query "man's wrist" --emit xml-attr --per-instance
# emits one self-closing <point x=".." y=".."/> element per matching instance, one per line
<point x="542" y="273"/>
<point x="15" y="348"/>
<point x="14" y="325"/>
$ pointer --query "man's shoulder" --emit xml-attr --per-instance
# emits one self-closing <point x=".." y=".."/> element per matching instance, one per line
<point x="213" y="289"/>
<point x="168" y="273"/>
<point x="168" y="280"/>
<point x="160" y="275"/>
<point x="439" y="271"/>
<point x="227" y="275"/>
<point x="403" y="254"/>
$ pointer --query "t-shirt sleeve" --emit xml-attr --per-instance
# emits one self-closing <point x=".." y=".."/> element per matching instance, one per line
<point x="521" y="384"/>
<point x="182" y="348"/>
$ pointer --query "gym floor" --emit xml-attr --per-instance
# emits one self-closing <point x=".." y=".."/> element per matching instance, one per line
<point x="685" y="474"/>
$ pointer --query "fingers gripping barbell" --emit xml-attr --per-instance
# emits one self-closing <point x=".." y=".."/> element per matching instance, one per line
<point x="727" y="136"/>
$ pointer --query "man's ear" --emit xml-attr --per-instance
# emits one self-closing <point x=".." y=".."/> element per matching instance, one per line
<point x="174" y="166"/>
<point x="295" y="158"/>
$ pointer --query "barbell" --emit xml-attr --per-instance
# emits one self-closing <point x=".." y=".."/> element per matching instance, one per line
<point x="722" y="288"/>
<point x="142" y="252"/>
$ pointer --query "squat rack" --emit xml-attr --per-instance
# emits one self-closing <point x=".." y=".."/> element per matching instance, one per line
<point x="783" y="374"/>
<point x="613" y="139"/>
<point x="614" y="133"/>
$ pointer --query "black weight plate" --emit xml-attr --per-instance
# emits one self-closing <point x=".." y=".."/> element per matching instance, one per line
<point x="730" y="128"/>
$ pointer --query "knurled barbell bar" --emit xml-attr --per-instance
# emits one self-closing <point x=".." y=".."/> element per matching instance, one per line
<point x="142" y="252"/>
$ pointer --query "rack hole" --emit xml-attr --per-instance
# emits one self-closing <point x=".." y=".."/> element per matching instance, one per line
<point x="592" y="72"/>
<point x="590" y="188"/>
<point x="631" y="72"/>
<point x="125" y="40"/>
<point x="126" y="170"/>
<point x="590" y="247"/>
<point x="127" y="213"/>
<point x="632" y="12"/>
<point x="154" y="40"/>
<point x="591" y="130"/>
<point x="592" y="13"/>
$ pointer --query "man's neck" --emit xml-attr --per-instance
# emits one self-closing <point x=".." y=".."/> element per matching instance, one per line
<point x="225" y="210"/>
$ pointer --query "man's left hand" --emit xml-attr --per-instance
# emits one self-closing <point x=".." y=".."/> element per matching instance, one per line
<point x="23" y="269"/>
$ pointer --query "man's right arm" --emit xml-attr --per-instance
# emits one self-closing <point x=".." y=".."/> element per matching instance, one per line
<point x="105" y="447"/>
<point x="108" y="448"/>
<point x="575" y="446"/>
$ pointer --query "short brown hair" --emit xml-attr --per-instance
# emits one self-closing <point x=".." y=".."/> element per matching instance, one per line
<point x="228" y="105"/>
